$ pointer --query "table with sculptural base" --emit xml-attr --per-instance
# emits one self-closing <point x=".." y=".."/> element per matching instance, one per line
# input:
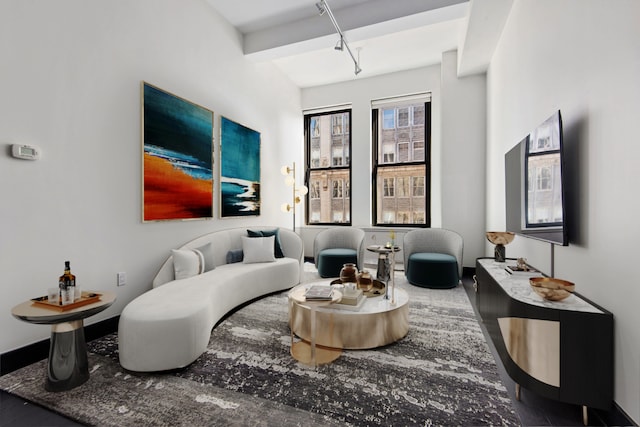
<point x="383" y="272"/>
<point x="377" y="322"/>
<point x="68" y="366"/>
<point x="562" y="350"/>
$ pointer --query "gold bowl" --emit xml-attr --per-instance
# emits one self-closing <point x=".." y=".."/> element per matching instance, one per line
<point x="500" y="237"/>
<point x="552" y="289"/>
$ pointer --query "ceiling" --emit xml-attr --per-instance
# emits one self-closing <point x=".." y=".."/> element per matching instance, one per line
<point x="386" y="35"/>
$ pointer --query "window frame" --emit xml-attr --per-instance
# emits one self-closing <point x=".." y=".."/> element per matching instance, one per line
<point x="379" y="163"/>
<point x="345" y="189"/>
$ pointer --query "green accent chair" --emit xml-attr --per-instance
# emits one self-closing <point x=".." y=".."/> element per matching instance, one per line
<point x="334" y="247"/>
<point x="433" y="258"/>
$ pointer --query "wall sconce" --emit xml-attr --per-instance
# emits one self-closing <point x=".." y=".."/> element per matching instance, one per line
<point x="297" y="191"/>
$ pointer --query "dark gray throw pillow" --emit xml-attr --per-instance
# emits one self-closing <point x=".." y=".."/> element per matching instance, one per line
<point x="235" y="255"/>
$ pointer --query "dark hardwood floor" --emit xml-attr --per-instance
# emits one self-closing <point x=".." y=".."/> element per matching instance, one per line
<point x="533" y="410"/>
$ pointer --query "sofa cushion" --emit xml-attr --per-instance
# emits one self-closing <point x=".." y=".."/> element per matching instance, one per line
<point x="258" y="249"/>
<point x="187" y="263"/>
<point x="277" y="247"/>
<point x="207" y="254"/>
<point x="234" y="255"/>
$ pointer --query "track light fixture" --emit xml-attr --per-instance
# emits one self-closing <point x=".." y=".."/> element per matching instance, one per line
<point x="323" y="7"/>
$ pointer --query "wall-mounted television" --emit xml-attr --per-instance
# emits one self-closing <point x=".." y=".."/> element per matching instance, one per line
<point x="534" y="184"/>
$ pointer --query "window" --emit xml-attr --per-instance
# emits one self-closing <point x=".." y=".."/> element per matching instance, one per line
<point x="315" y="128"/>
<point x="403" y="117"/>
<point x="388" y="153"/>
<point x="401" y="141"/>
<point x="328" y="167"/>
<point x="337" y="156"/>
<point x="314" y="190"/>
<point x="389" y="119"/>
<point x="388" y="187"/>
<point x="418" y="186"/>
<point x="402" y="186"/>
<point x="337" y="189"/>
<point x="543" y="180"/>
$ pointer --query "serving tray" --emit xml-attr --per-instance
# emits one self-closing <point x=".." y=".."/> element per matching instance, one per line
<point x="85" y="299"/>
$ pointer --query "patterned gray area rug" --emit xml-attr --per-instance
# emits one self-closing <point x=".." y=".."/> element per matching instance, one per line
<point x="441" y="373"/>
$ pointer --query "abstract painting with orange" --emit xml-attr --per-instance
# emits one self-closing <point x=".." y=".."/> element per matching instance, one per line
<point x="178" y="158"/>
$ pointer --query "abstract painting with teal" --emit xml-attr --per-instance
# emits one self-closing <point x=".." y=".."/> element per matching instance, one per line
<point x="239" y="170"/>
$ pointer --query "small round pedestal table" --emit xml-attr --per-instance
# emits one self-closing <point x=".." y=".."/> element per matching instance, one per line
<point x="68" y="366"/>
<point x="384" y="261"/>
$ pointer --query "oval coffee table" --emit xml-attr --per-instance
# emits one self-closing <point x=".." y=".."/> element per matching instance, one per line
<point x="376" y="323"/>
<point x="68" y="365"/>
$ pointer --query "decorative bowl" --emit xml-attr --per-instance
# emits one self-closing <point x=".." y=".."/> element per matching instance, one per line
<point x="552" y="289"/>
<point x="500" y="237"/>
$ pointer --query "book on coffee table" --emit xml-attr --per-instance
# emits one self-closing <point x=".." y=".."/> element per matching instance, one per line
<point x="319" y="293"/>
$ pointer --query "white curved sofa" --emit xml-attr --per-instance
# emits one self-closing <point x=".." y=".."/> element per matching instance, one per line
<point x="169" y="326"/>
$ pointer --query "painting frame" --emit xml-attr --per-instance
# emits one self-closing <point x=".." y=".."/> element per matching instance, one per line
<point x="178" y="144"/>
<point x="240" y="171"/>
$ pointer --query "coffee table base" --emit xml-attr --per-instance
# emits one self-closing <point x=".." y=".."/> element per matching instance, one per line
<point x="301" y="351"/>
<point x="68" y="365"/>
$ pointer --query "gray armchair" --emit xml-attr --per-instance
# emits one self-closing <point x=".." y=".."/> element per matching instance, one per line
<point x="433" y="257"/>
<point x="334" y="247"/>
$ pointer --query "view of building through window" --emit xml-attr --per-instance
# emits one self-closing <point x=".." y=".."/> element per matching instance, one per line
<point x="328" y="166"/>
<point x="544" y="192"/>
<point x="401" y="180"/>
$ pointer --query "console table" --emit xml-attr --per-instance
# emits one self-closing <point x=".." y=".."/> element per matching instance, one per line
<point x="561" y="350"/>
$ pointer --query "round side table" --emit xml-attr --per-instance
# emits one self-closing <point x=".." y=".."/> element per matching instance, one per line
<point x="384" y="263"/>
<point x="68" y="366"/>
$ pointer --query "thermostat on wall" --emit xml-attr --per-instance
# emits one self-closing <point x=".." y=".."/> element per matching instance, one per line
<point x="26" y="152"/>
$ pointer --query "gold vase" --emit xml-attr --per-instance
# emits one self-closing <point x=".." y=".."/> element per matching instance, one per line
<point x="365" y="282"/>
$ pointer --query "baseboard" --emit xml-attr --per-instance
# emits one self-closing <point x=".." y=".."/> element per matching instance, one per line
<point x="468" y="271"/>
<point x="23" y="356"/>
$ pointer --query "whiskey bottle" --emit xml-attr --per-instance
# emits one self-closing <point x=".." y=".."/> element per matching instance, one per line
<point x="67" y="284"/>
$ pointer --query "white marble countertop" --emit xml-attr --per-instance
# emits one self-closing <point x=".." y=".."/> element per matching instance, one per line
<point x="518" y="288"/>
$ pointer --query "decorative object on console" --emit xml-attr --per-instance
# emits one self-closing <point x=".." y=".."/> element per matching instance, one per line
<point x="177" y="176"/>
<point x="552" y="289"/>
<point x="500" y="239"/>
<point x="298" y="191"/>
<point x="522" y="269"/>
<point x="239" y="170"/>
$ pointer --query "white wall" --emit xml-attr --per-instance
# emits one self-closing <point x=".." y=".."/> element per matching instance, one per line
<point x="70" y="79"/>
<point x="580" y="57"/>
<point x="457" y="143"/>
<point x="464" y="119"/>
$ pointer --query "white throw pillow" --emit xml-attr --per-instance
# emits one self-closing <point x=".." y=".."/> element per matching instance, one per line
<point x="187" y="263"/>
<point x="258" y="249"/>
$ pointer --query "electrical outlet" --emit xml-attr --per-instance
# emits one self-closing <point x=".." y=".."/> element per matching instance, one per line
<point x="122" y="278"/>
